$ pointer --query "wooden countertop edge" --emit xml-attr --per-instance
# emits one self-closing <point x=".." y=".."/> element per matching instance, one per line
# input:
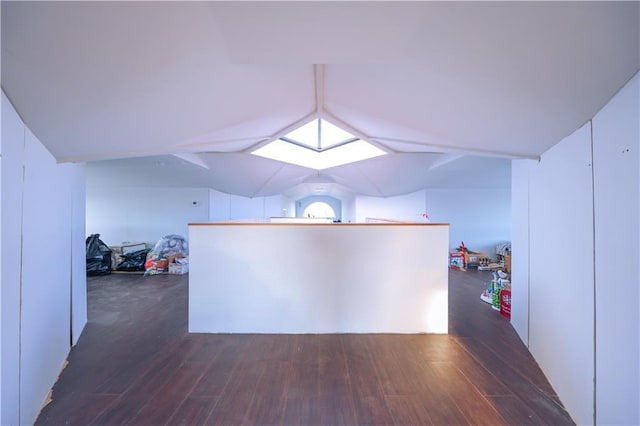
<point x="313" y="224"/>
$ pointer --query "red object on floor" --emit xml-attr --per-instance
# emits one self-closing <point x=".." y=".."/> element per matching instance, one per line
<point x="505" y="303"/>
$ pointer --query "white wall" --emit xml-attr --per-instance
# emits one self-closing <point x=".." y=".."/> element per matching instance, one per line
<point x="348" y="209"/>
<point x="520" y="244"/>
<point x="37" y="200"/>
<point x="223" y="206"/>
<point x="246" y="208"/>
<point x="561" y="271"/>
<point x="616" y="136"/>
<point x="78" y="252"/>
<point x="45" y="292"/>
<point x="479" y="217"/>
<point x="288" y="206"/>
<point x="409" y="207"/>
<point x="12" y="186"/>
<point x="582" y="227"/>
<point x="219" y="206"/>
<point x="143" y="214"/>
<point x="335" y="203"/>
<point x="0" y="270"/>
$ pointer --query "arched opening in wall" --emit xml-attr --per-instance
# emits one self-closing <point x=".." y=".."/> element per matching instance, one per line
<point x="304" y="204"/>
<point x="319" y="209"/>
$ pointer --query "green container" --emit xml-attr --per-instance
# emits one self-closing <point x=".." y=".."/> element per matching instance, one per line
<point x="496" y="296"/>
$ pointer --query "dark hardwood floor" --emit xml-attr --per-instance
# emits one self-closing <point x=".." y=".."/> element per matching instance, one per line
<point x="136" y="364"/>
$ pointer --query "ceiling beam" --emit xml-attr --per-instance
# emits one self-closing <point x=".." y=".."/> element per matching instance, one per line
<point x="267" y="181"/>
<point x="463" y="150"/>
<point x="356" y="132"/>
<point x="318" y="72"/>
<point x="282" y="132"/>
<point x="193" y="159"/>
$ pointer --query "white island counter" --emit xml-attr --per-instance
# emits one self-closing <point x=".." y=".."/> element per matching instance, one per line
<point x="318" y="278"/>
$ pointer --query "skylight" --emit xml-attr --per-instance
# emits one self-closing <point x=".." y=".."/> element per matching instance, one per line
<point x="319" y="145"/>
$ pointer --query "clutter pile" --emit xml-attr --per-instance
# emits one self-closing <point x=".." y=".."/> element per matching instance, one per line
<point x="498" y="292"/>
<point x="170" y="255"/>
<point x="464" y="258"/>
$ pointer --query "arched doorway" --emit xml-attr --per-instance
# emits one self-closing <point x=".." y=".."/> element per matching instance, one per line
<point x="334" y="211"/>
<point x="319" y="209"/>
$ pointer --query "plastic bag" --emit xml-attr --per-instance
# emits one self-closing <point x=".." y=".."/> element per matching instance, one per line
<point x="98" y="256"/>
<point x="133" y="261"/>
<point x="169" y="246"/>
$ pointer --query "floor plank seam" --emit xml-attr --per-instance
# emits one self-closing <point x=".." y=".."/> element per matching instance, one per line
<point x="350" y="382"/>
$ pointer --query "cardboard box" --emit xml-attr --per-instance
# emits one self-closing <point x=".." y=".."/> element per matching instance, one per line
<point x="477" y="258"/>
<point x="178" y="268"/>
<point x="174" y="257"/>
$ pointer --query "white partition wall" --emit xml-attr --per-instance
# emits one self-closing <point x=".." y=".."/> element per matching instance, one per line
<point x="579" y="228"/>
<point x="520" y="245"/>
<point x="12" y="161"/>
<point x="561" y="271"/>
<point x="46" y="277"/>
<point x="283" y="278"/>
<point x="616" y="135"/>
<point x="78" y="253"/>
<point x="38" y="242"/>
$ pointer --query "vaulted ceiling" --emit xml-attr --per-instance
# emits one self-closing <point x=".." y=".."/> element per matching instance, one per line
<point x="435" y="84"/>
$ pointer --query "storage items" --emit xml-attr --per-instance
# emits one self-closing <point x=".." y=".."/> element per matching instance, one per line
<point x="465" y="258"/>
<point x="476" y="260"/>
<point x="133" y="261"/>
<point x="180" y="266"/>
<point x="503" y="253"/>
<point x="168" y="250"/>
<point x="456" y="260"/>
<point x="487" y="294"/>
<point x="498" y="293"/>
<point x="127" y="247"/>
<point x="505" y="303"/>
<point x="495" y="299"/>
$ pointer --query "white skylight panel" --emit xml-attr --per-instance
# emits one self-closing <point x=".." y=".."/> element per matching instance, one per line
<point x="333" y="135"/>
<point x="319" y="145"/>
<point x="290" y="153"/>
<point x="349" y="153"/>
<point x="307" y="134"/>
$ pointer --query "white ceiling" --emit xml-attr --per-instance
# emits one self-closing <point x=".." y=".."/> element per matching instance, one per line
<point x="428" y="81"/>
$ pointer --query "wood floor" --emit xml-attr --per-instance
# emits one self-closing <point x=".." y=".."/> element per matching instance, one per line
<point x="136" y="364"/>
